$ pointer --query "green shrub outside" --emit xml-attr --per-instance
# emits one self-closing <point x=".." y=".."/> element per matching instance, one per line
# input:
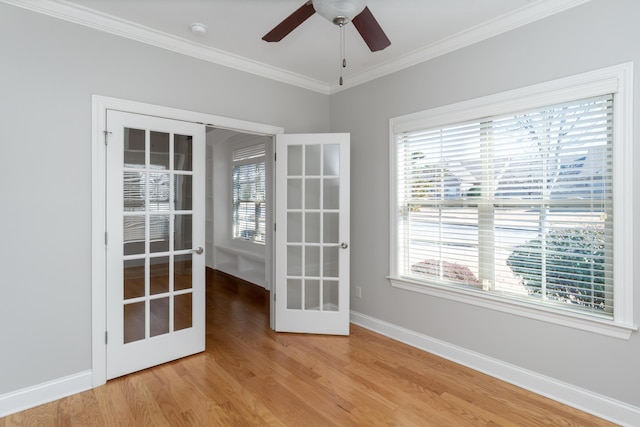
<point x="574" y="266"/>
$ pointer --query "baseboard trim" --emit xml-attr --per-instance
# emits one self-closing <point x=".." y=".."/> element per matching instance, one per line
<point x="49" y="391"/>
<point x="584" y="400"/>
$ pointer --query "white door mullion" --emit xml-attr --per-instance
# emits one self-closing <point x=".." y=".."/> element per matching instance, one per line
<point x="172" y="231"/>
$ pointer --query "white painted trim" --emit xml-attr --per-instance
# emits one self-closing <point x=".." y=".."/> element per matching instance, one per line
<point x="120" y="27"/>
<point x="187" y="116"/>
<point x="30" y="397"/>
<point x="100" y="105"/>
<point x="98" y="247"/>
<point x="90" y="18"/>
<point x="623" y="179"/>
<point x="614" y="79"/>
<point x="505" y="304"/>
<point x="568" y="394"/>
<point x="501" y="24"/>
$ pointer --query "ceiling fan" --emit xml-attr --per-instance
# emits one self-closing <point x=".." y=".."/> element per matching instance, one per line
<point x="340" y="12"/>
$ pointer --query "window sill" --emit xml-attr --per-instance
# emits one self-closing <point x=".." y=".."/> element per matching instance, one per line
<point x="518" y="308"/>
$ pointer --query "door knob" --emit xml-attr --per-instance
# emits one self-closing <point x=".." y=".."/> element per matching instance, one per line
<point x="198" y="250"/>
<point x="342" y="245"/>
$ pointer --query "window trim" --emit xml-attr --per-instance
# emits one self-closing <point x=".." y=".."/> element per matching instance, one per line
<point x="617" y="80"/>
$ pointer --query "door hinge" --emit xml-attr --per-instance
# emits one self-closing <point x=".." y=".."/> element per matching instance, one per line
<point x="106" y="238"/>
<point x="274" y="297"/>
<point x="106" y="137"/>
<point x="106" y="337"/>
<point x="275" y="157"/>
<point x="274" y="227"/>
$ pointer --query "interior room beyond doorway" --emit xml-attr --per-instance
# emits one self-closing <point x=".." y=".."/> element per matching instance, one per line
<point x="239" y="204"/>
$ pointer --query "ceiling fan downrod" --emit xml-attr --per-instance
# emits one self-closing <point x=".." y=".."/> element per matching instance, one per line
<point x="342" y="52"/>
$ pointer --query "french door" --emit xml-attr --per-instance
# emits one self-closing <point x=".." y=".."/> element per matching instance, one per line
<point x="312" y="234"/>
<point x="155" y="235"/>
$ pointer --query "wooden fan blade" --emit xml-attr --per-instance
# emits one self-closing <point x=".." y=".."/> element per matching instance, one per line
<point x="371" y="31"/>
<point x="290" y="23"/>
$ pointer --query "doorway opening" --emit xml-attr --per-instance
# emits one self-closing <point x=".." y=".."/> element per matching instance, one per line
<point x="100" y="178"/>
<point x="239" y="203"/>
<point x="312" y="212"/>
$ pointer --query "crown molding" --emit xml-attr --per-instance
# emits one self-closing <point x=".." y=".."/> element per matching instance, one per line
<point x="502" y="24"/>
<point x="123" y="28"/>
<point x="90" y="18"/>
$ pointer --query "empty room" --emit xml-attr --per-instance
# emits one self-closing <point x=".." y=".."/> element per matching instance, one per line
<point x="338" y="212"/>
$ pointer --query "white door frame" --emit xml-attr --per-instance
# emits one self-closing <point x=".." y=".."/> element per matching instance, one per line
<point x="100" y="105"/>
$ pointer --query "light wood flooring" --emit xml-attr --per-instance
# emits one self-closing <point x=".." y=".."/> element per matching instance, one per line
<point x="251" y="376"/>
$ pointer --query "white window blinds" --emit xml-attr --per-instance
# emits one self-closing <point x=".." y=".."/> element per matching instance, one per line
<point x="519" y="204"/>
<point x="246" y="153"/>
<point x="135" y="186"/>
<point x="249" y="194"/>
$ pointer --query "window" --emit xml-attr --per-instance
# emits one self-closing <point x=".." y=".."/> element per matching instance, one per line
<point x="249" y="196"/>
<point x="514" y="198"/>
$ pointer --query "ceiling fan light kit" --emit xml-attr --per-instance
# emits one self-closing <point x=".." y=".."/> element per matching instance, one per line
<point x="339" y="12"/>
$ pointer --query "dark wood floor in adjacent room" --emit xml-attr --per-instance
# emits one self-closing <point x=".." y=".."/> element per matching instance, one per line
<point x="252" y="376"/>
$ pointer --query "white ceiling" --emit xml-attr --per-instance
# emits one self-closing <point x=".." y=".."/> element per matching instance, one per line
<point x="309" y="56"/>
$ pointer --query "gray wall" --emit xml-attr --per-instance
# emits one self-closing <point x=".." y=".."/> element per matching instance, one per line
<point x="597" y="34"/>
<point x="48" y="71"/>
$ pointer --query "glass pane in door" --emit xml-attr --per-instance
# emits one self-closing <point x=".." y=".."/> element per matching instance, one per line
<point x="294" y="294"/>
<point x="157" y="236"/>
<point x="331" y="162"/>
<point x="294" y="162"/>
<point x="159" y="275"/>
<point x="330" y="295"/>
<point x="183" y="311"/>
<point x="134" y="322"/>
<point x="134" y="148"/>
<point x="183" y="157"/>
<point x="183" y="192"/>
<point x="312" y="159"/>
<point x="182" y="273"/>
<point x="312" y="193"/>
<point x="134" y="272"/>
<point x="159" y="233"/>
<point x="159" y="316"/>
<point x="182" y="235"/>
<point x="159" y="155"/>
<point x="312" y="294"/>
<point x="312" y="227"/>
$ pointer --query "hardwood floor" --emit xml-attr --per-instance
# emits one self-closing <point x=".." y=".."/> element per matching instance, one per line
<point x="250" y="375"/>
